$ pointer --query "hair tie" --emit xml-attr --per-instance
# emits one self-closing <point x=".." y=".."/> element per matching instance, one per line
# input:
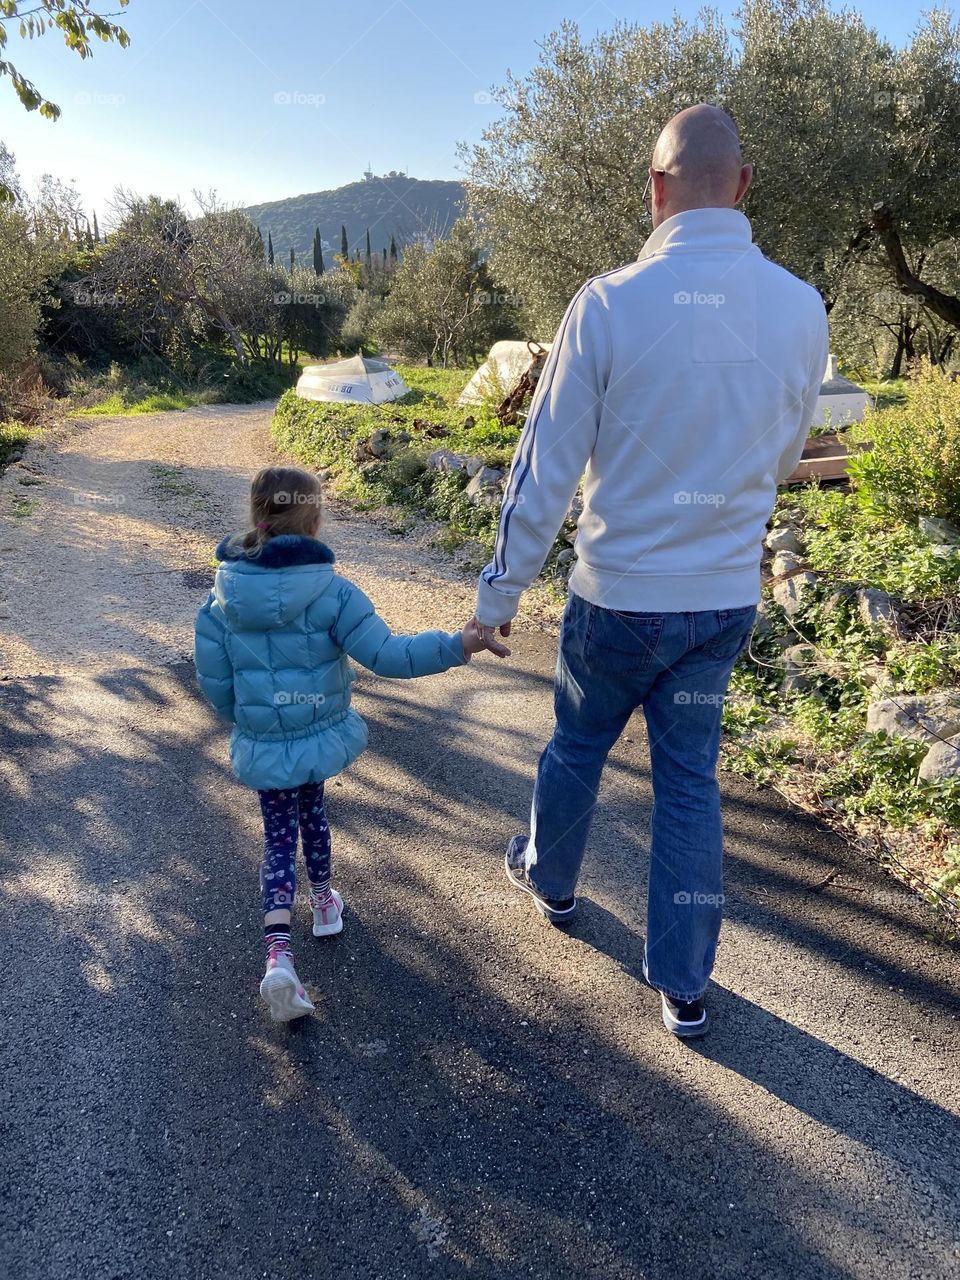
<point x="263" y="525"/>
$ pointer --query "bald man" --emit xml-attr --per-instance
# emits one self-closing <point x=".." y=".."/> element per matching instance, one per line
<point x="681" y="388"/>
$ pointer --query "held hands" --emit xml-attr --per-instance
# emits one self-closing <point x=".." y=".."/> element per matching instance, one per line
<point x="477" y="637"/>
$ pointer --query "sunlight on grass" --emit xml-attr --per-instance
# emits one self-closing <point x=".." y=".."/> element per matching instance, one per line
<point x="13" y="439"/>
<point x="116" y="404"/>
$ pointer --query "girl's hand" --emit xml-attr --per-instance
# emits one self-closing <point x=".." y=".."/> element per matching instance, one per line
<point x="477" y="637"/>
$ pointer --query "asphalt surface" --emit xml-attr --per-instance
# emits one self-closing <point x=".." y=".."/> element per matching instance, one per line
<point x="478" y="1094"/>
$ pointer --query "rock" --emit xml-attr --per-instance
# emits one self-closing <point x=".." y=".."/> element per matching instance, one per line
<point x="446" y="460"/>
<point x="367" y="468"/>
<point x="469" y="422"/>
<point x="942" y="532"/>
<point x="876" y="609"/>
<point x="566" y="556"/>
<point x="484" y="488"/>
<point x="844" y="593"/>
<point x="472" y="464"/>
<point x="941" y="761"/>
<point x="790" y="593"/>
<point x="944" y="550"/>
<point x="761" y="625"/>
<point x="379" y="443"/>
<point x="799" y="659"/>
<point x="785" y="562"/>
<point x="783" y="538"/>
<point x="908" y="716"/>
<point x="576" y="509"/>
<point x="404" y="437"/>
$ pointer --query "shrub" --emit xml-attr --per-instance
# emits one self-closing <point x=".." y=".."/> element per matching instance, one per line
<point x="913" y="468"/>
<point x="849" y="539"/>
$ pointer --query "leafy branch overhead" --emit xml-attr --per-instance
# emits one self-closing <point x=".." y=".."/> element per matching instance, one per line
<point x="77" y="21"/>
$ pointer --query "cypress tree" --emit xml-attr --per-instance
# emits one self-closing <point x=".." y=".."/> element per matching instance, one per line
<point x="259" y="237"/>
<point x="293" y="259"/>
<point x="96" y="229"/>
<point x="393" y="249"/>
<point x="384" y="257"/>
<point x="317" y="253"/>
<point x="270" y="247"/>
<point x="344" y="245"/>
<point x="368" y="246"/>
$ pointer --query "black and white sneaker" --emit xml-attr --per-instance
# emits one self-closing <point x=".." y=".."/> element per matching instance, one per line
<point x="557" y="910"/>
<point x="684" y="1018"/>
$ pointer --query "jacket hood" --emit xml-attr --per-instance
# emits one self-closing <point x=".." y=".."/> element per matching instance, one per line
<point x="266" y="589"/>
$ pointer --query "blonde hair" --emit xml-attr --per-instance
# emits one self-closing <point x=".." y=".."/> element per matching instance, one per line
<point x="282" y="500"/>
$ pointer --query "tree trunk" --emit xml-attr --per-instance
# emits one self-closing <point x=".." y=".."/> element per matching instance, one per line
<point x="944" y="305"/>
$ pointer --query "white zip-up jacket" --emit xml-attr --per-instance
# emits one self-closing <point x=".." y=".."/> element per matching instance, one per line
<point x="682" y="388"/>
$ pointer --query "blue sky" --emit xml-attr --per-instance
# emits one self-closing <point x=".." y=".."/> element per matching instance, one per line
<point x="261" y="99"/>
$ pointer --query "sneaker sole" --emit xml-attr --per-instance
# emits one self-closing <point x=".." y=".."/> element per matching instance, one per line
<point x="555" y="917"/>
<point x="279" y="990"/>
<point x="684" y="1030"/>
<point x="328" y="930"/>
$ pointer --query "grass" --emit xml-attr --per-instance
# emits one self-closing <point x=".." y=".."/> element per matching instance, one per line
<point x="331" y="436"/>
<point x="153" y="387"/>
<point x="118" y="405"/>
<point x="885" y="395"/>
<point x="812" y="743"/>
<point x="13" y="441"/>
<point x="170" y="482"/>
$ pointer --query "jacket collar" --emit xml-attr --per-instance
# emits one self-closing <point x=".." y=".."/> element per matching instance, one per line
<point x="281" y="552"/>
<point x="699" y="230"/>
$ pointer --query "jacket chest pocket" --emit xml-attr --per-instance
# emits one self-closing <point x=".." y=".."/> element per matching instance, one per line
<point x="625" y="643"/>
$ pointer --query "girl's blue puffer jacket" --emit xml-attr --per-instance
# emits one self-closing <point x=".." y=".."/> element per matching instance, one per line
<point x="271" y="649"/>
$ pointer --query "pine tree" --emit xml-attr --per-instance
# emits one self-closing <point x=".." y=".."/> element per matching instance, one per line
<point x="270" y="247"/>
<point x="317" y="253"/>
<point x="344" y="245"/>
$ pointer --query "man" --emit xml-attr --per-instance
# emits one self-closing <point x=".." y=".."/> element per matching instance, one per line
<point x="682" y="388"/>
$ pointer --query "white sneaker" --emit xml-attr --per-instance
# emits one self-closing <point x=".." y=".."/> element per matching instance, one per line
<point x="283" y="991"/>
<point x="327" y="916"/>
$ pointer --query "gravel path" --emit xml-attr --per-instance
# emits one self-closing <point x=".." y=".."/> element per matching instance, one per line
<point x="478" y="1095"/>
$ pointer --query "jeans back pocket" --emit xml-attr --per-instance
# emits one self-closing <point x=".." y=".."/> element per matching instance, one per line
<point x="622" y="642"/>
<point x="734" y="629"/>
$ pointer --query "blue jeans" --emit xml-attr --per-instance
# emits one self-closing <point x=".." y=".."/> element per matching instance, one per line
<point x="677" y="667"/>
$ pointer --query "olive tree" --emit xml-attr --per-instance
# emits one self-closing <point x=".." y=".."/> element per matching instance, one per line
<point x="443" y="303"/>
<point x="853" y="143"/>
<point x="556" y="182"/>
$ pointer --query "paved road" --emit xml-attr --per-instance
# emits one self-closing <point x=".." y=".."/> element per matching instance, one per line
<point x="478" y="1094"/>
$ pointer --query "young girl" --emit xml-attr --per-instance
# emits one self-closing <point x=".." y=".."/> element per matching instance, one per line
<point x="271" y="649"/>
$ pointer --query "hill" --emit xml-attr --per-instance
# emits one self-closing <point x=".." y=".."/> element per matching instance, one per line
<point x="392" y="205"/>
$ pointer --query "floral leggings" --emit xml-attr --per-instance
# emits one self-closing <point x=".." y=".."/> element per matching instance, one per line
<point x="285" y="814"/>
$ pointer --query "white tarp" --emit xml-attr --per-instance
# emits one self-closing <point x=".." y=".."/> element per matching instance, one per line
<point x="503" y="368"/>
<point x="357" y="381"/>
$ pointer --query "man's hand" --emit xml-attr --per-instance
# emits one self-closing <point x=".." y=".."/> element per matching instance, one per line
<point x="477" y="637"/>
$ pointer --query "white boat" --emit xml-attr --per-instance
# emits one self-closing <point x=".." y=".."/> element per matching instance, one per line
<point x="357" y="381"/>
